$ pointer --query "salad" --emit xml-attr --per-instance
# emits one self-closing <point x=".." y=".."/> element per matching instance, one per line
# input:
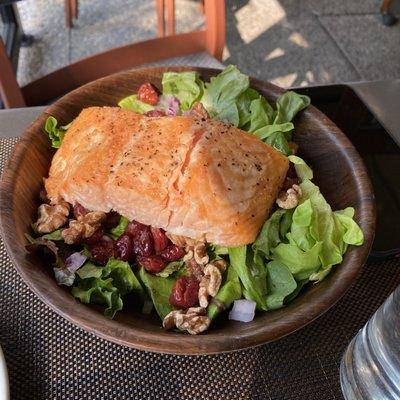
<point x="108" y="259"/>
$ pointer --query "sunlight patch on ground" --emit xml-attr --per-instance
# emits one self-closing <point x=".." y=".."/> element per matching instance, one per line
<point x="276" y="53"/>
<point x="286" y="80"/>
<point x="299" y="39"/>
<point x="257" y="16"/>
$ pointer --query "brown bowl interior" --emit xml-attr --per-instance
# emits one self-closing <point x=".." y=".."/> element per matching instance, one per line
<point x="339" y="172"/>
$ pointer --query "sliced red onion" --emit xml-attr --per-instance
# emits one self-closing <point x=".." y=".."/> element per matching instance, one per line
<point x="74" y="262"/>
<point x="170" y="104"/>
<point x="243" y="310"/>
<point x="66" y="275"/>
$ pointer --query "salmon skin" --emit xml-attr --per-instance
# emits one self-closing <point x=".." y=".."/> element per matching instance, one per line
<point x="194" y="177"/>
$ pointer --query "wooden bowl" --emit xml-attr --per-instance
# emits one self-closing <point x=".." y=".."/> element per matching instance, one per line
<point x="339" y="172"/>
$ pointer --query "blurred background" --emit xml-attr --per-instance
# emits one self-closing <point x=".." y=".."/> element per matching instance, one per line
<point x="289" y="42"/>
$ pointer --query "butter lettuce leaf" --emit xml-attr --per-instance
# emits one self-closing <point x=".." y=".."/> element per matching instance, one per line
<point x="117" y="231"/>
<point x="159" y="289"/>
<point x="243" y="104"/>
<point x="222" y="92"/>
<point x="281" y="284"/>
<point x="271" y="234"/>
<point x="288" y="105"/>
<point x="133" y="103"/>
<point x="261" y="114"/>
<point x="186" y="86"/>
<point x="106" y="285"/>
<point x="303" y="171"/>
<point x="229" y="291"/>
<point x="56" y="134"/>
<point x="99" y="291"/>
<point x="252" y="273"/>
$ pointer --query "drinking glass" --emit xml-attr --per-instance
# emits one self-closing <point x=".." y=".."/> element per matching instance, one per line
<point x="370" y="367"/>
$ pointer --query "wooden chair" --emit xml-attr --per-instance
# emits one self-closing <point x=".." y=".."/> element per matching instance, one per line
<point x="71" y="12"/>
<point x="41" y="91"/>
<point x="388" y="17"/>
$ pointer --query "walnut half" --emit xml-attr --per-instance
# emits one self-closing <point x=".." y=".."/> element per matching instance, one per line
<point x="211" y="281"/>
<point x="193" y="320"/>
<point x="83" y="227"/>
<point x="52" y="217"/>
<point x="290" y="198"/>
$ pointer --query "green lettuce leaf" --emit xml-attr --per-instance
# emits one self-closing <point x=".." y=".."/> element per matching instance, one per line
<point x="106" y="285"/>
<point x="252" y="273"/>
<point x="322" y="227"/>
<point x="171" y="268"/>
<point x="89" y="270"/>
<point x="278" y="141"/>
<point x="133" y="103"/>
<point x="159" y="290"/>
<point x="243" y="103"/>
<point x="229" y="291"/>
<point x="300" y="263"/>
<point x="295" y="293"/>
<point x="261" y="114"/>
<point x="123" y="277"/>
<point x="99" y="291"/>
<point x="267" y="131"/>
<point x="352" y="232"/>
<point x="288" y="105"/>
<point x="300" y="228"/>
<point x="222" y="92"/>
<point x="303" y="171"/>
<point x="186" y="86"/>
<point x="117" y="231"/>
<point x="55" y="235"/>
<point x="56" y="134"/>
<point x="270" y="235"/>
<point x="280" y="284"/>
<point x="275" y="127"/>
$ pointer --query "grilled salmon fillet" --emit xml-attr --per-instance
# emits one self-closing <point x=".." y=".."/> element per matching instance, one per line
<point x="192" y="177"/>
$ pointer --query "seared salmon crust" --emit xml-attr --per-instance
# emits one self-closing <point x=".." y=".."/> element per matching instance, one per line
<point x="199" y="178"/>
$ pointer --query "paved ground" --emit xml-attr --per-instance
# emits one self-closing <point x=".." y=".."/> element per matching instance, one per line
<point x="290" y="42"/>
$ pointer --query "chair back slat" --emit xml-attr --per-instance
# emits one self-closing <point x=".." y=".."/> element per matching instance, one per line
<point x="171" y="17"/>
<point x="160" y="7"/>
<point x="115" y="60"/>
<point x="215" y="27"/>
<point x="10" y="91"/>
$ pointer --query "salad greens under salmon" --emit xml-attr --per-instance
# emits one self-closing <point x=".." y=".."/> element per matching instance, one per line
<point x="127" y="262"/>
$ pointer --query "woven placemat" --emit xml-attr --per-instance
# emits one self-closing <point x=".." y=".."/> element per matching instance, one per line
<point x="49" y="358"/>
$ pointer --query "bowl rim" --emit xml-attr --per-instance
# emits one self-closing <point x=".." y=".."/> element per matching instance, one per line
<point x="176" y="343"/>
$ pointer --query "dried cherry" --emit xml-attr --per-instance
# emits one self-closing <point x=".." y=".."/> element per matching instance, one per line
<point x="160" y="239"/>
<point x="172" y="253"/>
<point x="102" y="251"/>
<point x="185" y="292"/>
<point x="152" y="263"/>
<point x="143" y="244"/>
<point x="124" y="247"/>
<point x="134" y="228"/>
<point x="96" y="237"/>
<point x="112" y="220"/>
<point x="148" y="94"/>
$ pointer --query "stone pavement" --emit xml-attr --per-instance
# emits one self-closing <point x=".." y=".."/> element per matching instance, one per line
<point x="289" y="42"/>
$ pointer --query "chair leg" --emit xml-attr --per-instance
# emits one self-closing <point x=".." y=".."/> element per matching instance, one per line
<point x="68" y="14"/>
<point x="74" y="8"/>
<point x="388" y="18"/>
<point x="160" y="18"/>
<point x="171" y="17"/>
<point x="71" y="12"/>
<point x="10" y="91"/>
<point x="215" y="27"/>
